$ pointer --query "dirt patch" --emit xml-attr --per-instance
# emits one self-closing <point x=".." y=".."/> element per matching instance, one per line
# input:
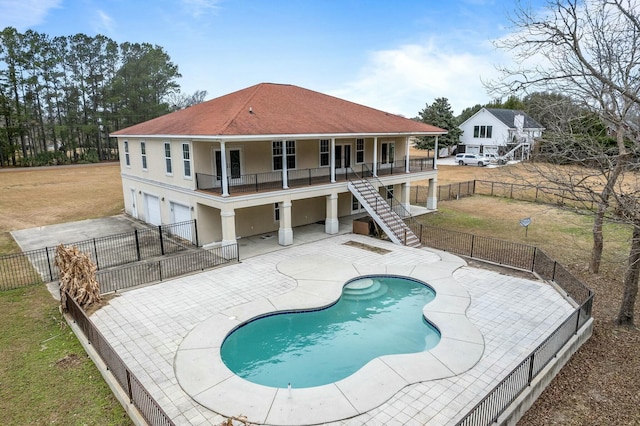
<point x="367" y="247"/>
<point x="104" y="301"/>
<point x="70" y="361"/>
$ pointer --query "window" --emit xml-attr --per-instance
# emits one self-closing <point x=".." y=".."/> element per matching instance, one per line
<point x="167" y="158"/>
<point x="324" y="152"/>
<point x="388" y="152"/>
<point x="276" y="212"/>
<point x="359" y="151"/>
<point x="143" y="151"/>
<point x="355" y="204"/>
<point x="290" y="154"/>
<point x="186" y="160"/>
<point x="482" y="131"/>
<point x="127" y="161"/>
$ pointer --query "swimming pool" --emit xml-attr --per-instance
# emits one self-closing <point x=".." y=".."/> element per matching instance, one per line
<point x="376" y="316"/>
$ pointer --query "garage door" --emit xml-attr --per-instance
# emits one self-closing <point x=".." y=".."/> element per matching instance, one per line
<point x="181" y="213"/>
<point x="152" y="209"/>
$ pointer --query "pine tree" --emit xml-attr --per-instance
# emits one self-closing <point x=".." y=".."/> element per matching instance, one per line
<point x="439" y="114"/>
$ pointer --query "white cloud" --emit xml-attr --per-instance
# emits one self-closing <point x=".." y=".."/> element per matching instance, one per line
<point x="405" y="79"/>
<point x="23" y="14"/>
<point x="197" y="8"/>
<point x="105" y="24"/>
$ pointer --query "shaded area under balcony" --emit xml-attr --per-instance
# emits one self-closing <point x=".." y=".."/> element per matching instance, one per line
<point x="274" y="181"/>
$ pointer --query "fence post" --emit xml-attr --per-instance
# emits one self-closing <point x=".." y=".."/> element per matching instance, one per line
<point x="511" y="194"/>
<point x="95" y="251"/>
<point x="578" y="320"/>
<point x="160" y="269"/>
<point x="195" y="231"/>
<point x="473" y="239"/>
<point x="531" y="369"/>
<point x="553" y="275"/>
<point x="537" y="188"/>
<point x="533" y="260"/>
<point x="421" y="233"/>
<point x="46" y="250"/>
<point x="129" y="391"/>
<point x="459" y="189"/>
<point x="161" y="240"/>
<point x="474" y="187"/>
<point x="135" y="233"/>
<point x="405" y="236"/>
<point x="492" y="189"/>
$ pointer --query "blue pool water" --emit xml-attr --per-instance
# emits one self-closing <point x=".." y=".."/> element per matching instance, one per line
<point x="375" y="316"/>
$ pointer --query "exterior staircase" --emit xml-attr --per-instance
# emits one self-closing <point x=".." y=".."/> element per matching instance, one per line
<point x="378" y="208"/>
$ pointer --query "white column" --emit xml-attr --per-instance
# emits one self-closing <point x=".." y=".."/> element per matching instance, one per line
<point x="435" y="154"/>
<point x="228" y="219"/>
<point x="375" y="156"/>
<point x="405" y="196"/>
<point x="406" y="154"/>
<point x="285" y="233"/>
<point x="332" y="159"/>
<point x="432" y="195"/>
<point x="285" y="174"/>
<point x="223" y="165"/>
<point x="331" y="224"/>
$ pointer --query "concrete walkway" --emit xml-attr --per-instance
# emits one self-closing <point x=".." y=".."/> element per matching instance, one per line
<point x="147" y="326"/>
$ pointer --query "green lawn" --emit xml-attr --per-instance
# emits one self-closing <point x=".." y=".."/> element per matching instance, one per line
<point x="45" y="375"/>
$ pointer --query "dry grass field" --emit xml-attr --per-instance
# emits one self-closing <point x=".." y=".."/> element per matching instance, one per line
<point x="599" y="386"/>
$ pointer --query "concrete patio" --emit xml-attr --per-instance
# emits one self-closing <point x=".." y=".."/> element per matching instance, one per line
<point x="147" y="326"/>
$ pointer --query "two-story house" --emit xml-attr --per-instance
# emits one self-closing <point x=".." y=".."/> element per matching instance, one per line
<point x="507" y="132"/>
<point x="268" y="158"/>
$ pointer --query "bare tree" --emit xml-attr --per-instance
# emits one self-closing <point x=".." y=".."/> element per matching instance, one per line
<point x="589" y="51"/>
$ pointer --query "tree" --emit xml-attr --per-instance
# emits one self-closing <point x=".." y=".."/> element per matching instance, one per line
<point x="467" y="113"/>
<point x="178" y="101"/>
<point x="439" y="114"/>
<point x="60" y="97"/>
<point x="588" y="50"/>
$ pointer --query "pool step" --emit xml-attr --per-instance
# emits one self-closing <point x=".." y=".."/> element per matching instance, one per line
<point x="364" y="289"/>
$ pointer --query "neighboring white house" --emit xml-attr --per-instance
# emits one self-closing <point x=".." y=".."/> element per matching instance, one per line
<point x="268" y="158"/>
<point x="506" y="132"/>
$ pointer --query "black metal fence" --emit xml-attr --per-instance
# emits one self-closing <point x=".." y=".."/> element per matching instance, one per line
<point x="528" y="258"/>
<point x="138" y="395"/>
<point x="35" y="266"/>
<point x="516" y="191"/>
<point x="169" y="267"/>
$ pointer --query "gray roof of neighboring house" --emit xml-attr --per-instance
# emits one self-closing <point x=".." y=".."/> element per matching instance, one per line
<point x="507" y="117"/>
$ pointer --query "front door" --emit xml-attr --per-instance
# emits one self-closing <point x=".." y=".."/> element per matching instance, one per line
<point x="343" y="156"/>
<point x="233" y="164"/>
<point x="134" y="204"/>
<point x="387" y="153"/>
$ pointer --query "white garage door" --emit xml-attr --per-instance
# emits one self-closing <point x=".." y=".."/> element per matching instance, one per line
<point x="152" y="209"/>
<point x="181" y="213"/>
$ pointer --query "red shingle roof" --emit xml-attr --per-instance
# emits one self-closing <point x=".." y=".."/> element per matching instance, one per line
<point x="277" y="109"/>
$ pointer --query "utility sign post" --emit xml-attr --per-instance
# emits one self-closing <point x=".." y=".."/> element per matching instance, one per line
<point x="525" y="222"/>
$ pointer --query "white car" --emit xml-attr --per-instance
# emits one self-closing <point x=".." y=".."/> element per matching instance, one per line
<point x="466" y="159"/>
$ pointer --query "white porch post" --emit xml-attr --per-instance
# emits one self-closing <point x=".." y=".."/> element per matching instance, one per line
<point x="285" y="174"/>
<point x="406" y="155"/>
<point x="228" y="219"/>
<point x="331" y="224"/>
<point x="223" y="166"/>
<point x="405" y="196"/>
<point x="375" y="156"/>
<point x="285" y="233"/>
<point x="332" y="160"/>
<point x="435" y="154"/>
<point x="432" y="196"/>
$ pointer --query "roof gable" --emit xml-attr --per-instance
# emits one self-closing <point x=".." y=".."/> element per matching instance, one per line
<point x="277" y="109"/>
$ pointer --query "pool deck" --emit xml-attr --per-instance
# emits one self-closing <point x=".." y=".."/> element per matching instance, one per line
<point x="168" y="333"/>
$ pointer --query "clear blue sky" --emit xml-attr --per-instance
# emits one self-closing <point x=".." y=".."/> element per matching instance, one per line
<point x="394" y="55"/>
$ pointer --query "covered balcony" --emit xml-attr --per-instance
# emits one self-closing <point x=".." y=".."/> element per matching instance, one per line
<point x="295" y="178"/>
